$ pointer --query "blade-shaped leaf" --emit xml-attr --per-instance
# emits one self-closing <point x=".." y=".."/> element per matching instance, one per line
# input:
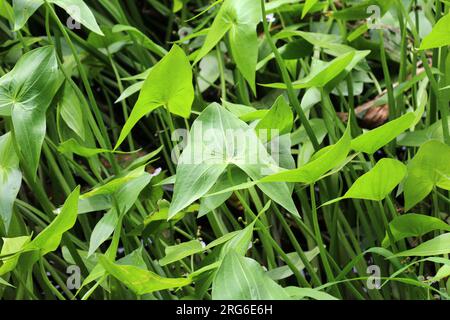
<point x="125" y="192"/>
<point x="141" y="38"/>
<point x="48" y="239"/>
<point x="23" y="10"/>
<point x="71" y="109"/>
<point x="10" y="178"/>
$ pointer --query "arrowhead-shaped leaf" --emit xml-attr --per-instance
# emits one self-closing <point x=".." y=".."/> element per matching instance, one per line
<point x="241" y="278"/>
<point x="239" y="18"/>
<point x="169" y="84"/>
<point x="25" y="94"/>
<point x="377" y="183"/>
<point x="219" y="139"/>
<point x="77" y="9"/>
<point x="429" y="168"/>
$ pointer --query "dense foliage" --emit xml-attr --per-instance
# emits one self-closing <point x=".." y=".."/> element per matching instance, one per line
<point x="230" y="149"/>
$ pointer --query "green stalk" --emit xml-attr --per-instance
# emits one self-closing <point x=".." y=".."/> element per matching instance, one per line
<point x="287" y="80"/>
<point x="318" y="238"/>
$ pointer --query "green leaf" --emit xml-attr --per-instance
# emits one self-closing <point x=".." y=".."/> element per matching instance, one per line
<point x="162" y="89"/>
<point x="10" y="178"/>
<point x="186" y="249"/>
<point x="308" y="6"/>
<point x="442" y="273"/>
<point x="278" y="118"/>
<point x="321" y="76"/>
<point x="240" y="278"/>
<point x="377" y="183"/>
<point x="241" y="242"/>
<point x="285" y="271"/>
<point x="139" y="280"/>
<point x="219" y="139"/>
<point x="209" y="203"/>
<point x="180" y="251"/>
<point x="301" y="293"/>
<point x="418" y="137"/>
<point x="80" y="12"/>
<point x="103" y="230"/>
<point x="373" y="140"/>
<point x="23" y="10"/>
<point x="438" y="36"/>
<point x="25" y="93"/>
<point x="141" y="38"/>
<point x="48" y="239"/>
<point x="71" y="109"/>
<point x="360" y="10"/>
<point x="72" y="146"/>
<point x="326" y="159"/>
<point x="11" y="251"/>
<point x="413" y="225"/>
<point x="436" y="246"/>
<point x="5" y="283"/>
<point x="429" y="168"/>
<point x="115" y="184"/>
<point x="125" y="191"/>
<point x="77" y="9"/>
<point x="239" y="18"/>
<point x="6" y="11"/>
